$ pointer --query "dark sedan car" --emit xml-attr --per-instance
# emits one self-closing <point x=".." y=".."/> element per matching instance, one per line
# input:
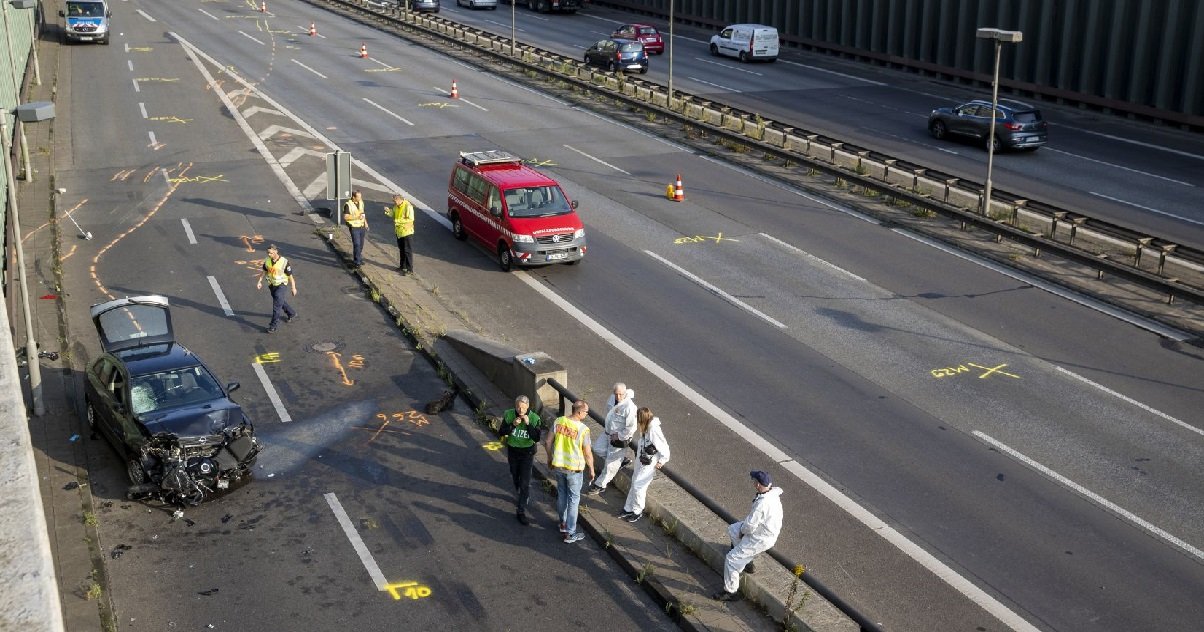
<point x="181" y="436"/>
<point x="618" y="54"/>
<point x="1017" y="125"/>
<point x="645" y="34"/>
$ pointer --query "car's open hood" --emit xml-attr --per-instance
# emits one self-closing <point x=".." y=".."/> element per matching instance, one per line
<point x="128" y="323"/>
<point x="200" y="420"/>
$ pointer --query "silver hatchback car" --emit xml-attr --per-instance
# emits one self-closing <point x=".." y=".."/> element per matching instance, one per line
<point x="477" y="4"/>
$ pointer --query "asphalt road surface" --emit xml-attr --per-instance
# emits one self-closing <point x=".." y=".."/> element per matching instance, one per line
<point x="960" y="449"/>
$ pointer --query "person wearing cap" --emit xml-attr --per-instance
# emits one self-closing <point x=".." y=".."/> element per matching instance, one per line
<point x="752" y="536"/>
<point x="279" y="274"/>
<point x="616" y="436"/>
<point x="402" y="213"/>
<point x="520" y="431"/>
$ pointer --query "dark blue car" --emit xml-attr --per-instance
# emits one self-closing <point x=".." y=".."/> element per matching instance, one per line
<point x="181" y="436"/>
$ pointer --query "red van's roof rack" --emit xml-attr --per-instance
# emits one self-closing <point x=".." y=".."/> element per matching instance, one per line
<point x="489" y="157"/>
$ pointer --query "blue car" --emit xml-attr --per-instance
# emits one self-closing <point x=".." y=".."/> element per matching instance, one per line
<point x="174" y="425"/>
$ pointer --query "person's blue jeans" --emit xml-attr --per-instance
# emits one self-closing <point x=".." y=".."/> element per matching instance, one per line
<point x="357" y="245"/>
<point x="568" y="497"/>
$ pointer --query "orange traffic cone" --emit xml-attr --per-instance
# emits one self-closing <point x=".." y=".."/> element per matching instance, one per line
<point x="263" y="6"/>
<point x="679" y="194"/>
<point x="363" y="51"/>
<point x="455" y="91"/>
<point x="313" y="29"/>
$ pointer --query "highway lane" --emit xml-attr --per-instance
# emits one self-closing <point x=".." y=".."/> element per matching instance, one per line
<point x="583" y="169"/>
<point x="273" y="552"/>
<point x="1142" y="176"/>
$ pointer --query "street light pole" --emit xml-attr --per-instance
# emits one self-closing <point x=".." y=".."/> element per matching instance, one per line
<point x="31" y="344"/>
<point x="513" y="4"/>
<point x="999" y="36"/>
<point x="670" y="54"/>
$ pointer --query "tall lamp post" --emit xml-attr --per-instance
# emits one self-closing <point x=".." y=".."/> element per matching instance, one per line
<point x="670" y="54"/>
<point x="999" y="36"/>
<point x="513" y="4"/>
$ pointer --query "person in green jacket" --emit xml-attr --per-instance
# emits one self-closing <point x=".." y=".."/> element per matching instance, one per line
<point x="402" y="213"/>
<point x="521" y="430"/>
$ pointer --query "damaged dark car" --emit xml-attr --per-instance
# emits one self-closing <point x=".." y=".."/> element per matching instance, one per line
<point x="174" y="425"/>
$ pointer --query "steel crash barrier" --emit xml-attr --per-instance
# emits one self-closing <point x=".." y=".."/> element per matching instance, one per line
<point x="1117" y="251"/>
<point x="866" y="625"/>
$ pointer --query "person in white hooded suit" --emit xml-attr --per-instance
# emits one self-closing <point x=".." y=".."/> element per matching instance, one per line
<point x="652" y="453"/>
<point x="612" y="442"/>
<point x="752" y="536"/>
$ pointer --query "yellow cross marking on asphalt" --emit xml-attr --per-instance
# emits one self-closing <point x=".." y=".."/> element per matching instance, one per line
<point x="438" y="104"/>
<point x="199" y="179"/>
<point x="539" y="163"/>
<point x="141" y="49"/>
<point x="267" y="358"/>
<point x="992" y="370"/>
<point x="169" y="119"/>
<point x="493" y="446"/>
<point x="413" y="590"/>
<point x="701" y="238"/>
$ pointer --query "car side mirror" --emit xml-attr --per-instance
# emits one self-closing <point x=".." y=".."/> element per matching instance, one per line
<point x="108" y="14"/>
<point x="232" y="386"/>
<point x="573" y="204"/>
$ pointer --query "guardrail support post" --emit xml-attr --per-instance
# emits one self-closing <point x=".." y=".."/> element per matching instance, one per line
<point x="1016" y="206"/>
<point x="1166" y="250"/>
<point x="1075" y="222"/>
<point x="1053" y="224"/>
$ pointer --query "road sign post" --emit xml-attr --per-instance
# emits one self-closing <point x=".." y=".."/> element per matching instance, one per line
<point x="338" y="181"/>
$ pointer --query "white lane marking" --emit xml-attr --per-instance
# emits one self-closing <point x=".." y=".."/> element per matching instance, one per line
<point x="153" y="141"/>
<point x="1185" y="154"/>
<point x="1112" y="165"/>
<point x="597" y="160"/>
<point x="251" y="37"/>
<point x="142" y="109"/>
<point x="602" y="19"/>
<point x="308" y="68"/>
<point x="505" y="25"/>
<point x="810" y="256"/>
<point x="382" y="64"/>
<point x="888" y="533"/>
<point x="382" y="109"/>
<point x="448" y="94"/>
<point x="194" y="53"/>
<point x="713" y="85"/>
<point x="296" y="153"/>
<point x="1147" y="208"/>
<point x="145" y="15"/>
<point x="217" y="289"/>
<point x="716" y="291"/>
<point x="208" y="14"/>
<point x="832" y="72"/>
<point x="357" y="543"/>
<point x="137" y="88"/>
<point x="130" y="63"/>
<point x="255" y="109"/>
<point x="192" y="240"/>
<point x="1089" y="303"/>
<point x="728" y="66"/>
<point x="273" y="396"/>
<point x="1148" y="409"/>
<point x="1090" y="495"/>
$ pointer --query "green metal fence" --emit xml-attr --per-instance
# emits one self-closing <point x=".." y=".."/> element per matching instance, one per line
<point x="16" y="39"/>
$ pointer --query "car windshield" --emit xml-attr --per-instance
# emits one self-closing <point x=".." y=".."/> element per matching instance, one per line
<point x="647" y="30"/>
<point x="536" y="201"/>
<point x="632" y="47"/>
<point x="171" y="389"/>
<point x="85" y="9"/>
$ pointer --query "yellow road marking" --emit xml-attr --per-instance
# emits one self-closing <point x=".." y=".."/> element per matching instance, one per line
<point x="413" y="590"/>
<point x="438" y="104"/>
<point x="267" y="358"/>
<point x="701" y="238"/>
<point x="992" y="370"/>
<point x="334" y="356"/>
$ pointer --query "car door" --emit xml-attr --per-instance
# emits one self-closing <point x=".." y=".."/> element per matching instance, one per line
<point x="962" y="121"/>
<point x="111" y="405"/>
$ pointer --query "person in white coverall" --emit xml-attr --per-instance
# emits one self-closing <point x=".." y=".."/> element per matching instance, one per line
<point x="620" y="427"/>
<point x="752" y="536"/>
<point x="652" y="453"/>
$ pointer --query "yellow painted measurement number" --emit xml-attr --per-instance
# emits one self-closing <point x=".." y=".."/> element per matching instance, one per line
<point x="987" y="371"/>
<point x="413" y="590"/>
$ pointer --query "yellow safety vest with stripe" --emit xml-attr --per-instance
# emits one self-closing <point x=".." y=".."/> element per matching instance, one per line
<point x="403" y="218"/>
<point x="568" y="435"/>
<point x="355" y="214"/>
<point x="275" y="271"/>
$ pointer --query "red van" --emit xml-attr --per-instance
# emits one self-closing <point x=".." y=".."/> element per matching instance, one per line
<point x="516" y="211"/>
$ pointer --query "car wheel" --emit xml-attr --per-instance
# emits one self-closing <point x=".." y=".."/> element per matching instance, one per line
<point x="504" y="258"/>
<point x="572" y="263"/>
<point x="611" y="66"/>
<point x="938" y="130"/>
<point x="543" y="6"/>
<point x="743" y="57"/>
<point x="714" y="50"/>
<point x="133" y="469"/>
<point x="458" y="227"/>
<point x="585" y="58"/>
<point x="993" y="144"/>
<point x="644" y="70"/>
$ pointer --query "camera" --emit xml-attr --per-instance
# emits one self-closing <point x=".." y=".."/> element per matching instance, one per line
<point x="646" y="454"/>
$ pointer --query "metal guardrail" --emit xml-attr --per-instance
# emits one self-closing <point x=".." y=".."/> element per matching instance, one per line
<point x="809" y="579"/>
<point x="568" y="69"/>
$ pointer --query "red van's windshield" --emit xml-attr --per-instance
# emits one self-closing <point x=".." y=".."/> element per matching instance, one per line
<point x="537" y="201"/>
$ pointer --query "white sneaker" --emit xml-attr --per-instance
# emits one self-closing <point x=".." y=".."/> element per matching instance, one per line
<point x="574" y="537"/>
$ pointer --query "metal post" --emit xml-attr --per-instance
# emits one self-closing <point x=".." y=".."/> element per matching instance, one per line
<point x="31" y="344"/>
<point x="513" y="4"/>
<point x="986" y="198"/>
<point x="670" y="54"/>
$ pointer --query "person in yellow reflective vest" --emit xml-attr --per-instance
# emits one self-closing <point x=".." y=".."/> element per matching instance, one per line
<point x="279" y="273"/>
<point x="568" y="454"/>
<point x="357" y="223"/>
<point x="402" y="213"/>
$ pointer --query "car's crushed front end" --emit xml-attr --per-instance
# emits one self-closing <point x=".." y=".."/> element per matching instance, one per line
<point x="186" y="470"/>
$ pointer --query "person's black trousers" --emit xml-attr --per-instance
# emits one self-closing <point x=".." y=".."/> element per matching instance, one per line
<point x="406" y="252"/>
<point x="357" y="245"/>
<point x="521" y="461"/>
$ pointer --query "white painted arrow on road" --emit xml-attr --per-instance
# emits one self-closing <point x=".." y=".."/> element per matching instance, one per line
<point x="276" y="129"/>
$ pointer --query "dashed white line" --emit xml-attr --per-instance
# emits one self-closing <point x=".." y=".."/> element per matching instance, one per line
<point x="1147" y="208"/>
<point x="461" y="99"/>
<point x="1112" y="165"/>
<point x="810" y="256"/>
<point x="713" y="85"/>
<point x="1185" y="154"/>
<point x="382" y="109"/>
<point x="145" y="15"/>
<point x="251" y="37"/>
<point x="729" y="66"/>
<point x="1090" y="495"/>
<point x="208" y="14"/>
<point x="305" y="31"/>
<point x="130" y="64"/>
<point x="308" y="68"/>
<point x="217" y="289"/>
<point x="597" y="160"/>
<point x="357" y="543"/>
<point x="505" y="25"/>
<point x="273" y="396"/>
<point x="192" y="240"/>
<point x="832" y="72"/>
<point x="716" y="291"/>
<point x="153" y="141"/>
<point x="142" y="109"/>
<point x="1148" y="409"/>
<point x="137" y="88"/>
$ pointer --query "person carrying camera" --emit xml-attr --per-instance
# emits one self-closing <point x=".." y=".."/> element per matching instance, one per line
<point x="520" y="432"/>
<point x="652" y="453"/>
<point x="612" y="444"/>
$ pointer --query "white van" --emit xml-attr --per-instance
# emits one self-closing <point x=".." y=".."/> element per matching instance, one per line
<point x="746" y="42"/>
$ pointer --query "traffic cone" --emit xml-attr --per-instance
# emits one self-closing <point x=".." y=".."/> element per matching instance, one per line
<point x="313" y="29"/>
<point x="455" y="90"/>
<point x="363" y="51"/>
<point x="679" y="194"/>
<point x="263" y="6"/>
